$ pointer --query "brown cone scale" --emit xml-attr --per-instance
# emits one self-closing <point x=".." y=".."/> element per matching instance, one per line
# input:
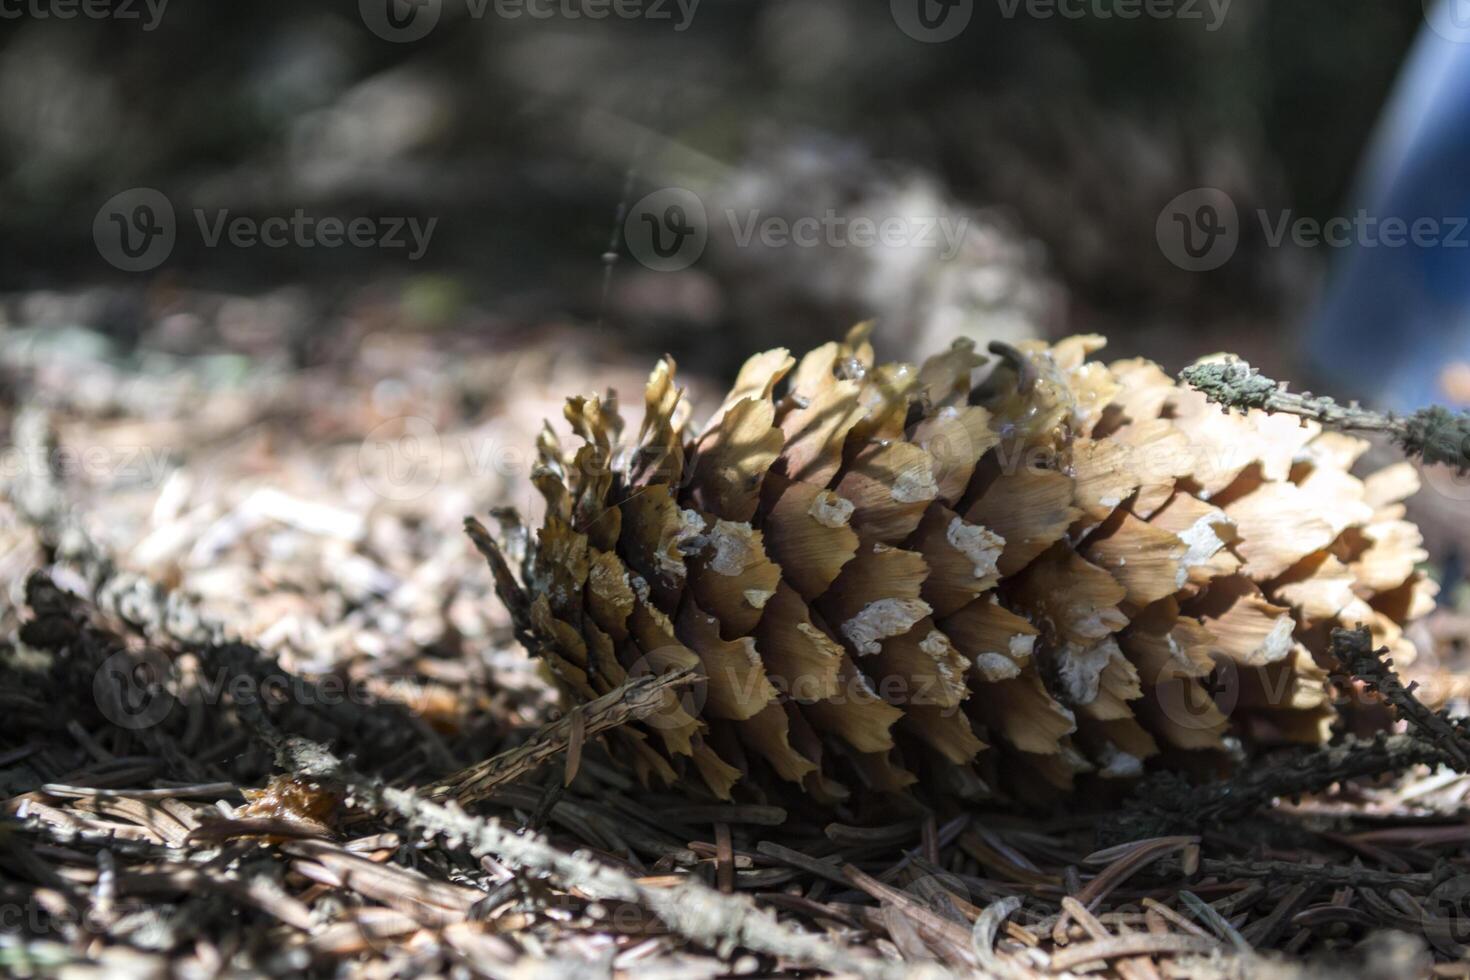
<point x="981" y="579"/>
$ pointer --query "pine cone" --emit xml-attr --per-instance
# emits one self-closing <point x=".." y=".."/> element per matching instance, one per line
<point x="891" y="577"/>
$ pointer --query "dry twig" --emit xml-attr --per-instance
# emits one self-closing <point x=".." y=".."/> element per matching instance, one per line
<point x="1354" y="650"/>
<point x="636" y="699"/>
<point x="1433" y="434"/>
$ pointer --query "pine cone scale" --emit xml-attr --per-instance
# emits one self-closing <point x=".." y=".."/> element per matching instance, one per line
<point x="889" y="589"/>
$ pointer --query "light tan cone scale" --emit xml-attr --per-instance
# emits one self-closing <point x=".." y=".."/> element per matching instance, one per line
<point x="961" y="577"/>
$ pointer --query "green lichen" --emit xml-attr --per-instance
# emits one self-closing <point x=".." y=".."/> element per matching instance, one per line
<point x="1232" y="383"/>
<point x="1438" y="436"/>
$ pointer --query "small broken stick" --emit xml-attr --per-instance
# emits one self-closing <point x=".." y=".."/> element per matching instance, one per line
<point x="635" y="700"/>
<point x="1354" y="650"/>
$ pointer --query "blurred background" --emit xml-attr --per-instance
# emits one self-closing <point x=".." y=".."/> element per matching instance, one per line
<point x="527" y="130"/>
<point x="299" y="281"/>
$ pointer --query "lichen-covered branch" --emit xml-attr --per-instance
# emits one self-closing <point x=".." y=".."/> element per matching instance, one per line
<point x="690" y="908"/>
<point x="1436" y="435"/>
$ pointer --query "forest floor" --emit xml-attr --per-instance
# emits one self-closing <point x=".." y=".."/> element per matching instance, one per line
<point x="246" y="635"/>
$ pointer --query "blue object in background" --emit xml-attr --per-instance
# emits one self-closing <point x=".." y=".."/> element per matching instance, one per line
<point x="1395" y="317"/>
